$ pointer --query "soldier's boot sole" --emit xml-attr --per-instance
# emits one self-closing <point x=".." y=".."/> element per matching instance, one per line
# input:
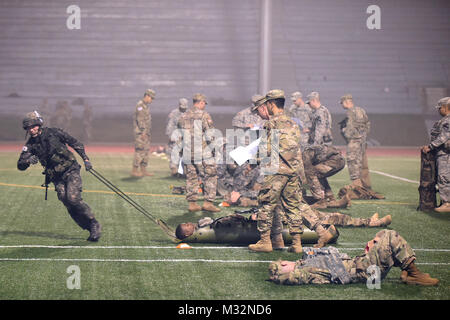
<point x="208" y="206"/>
<point x="444" y="208"/>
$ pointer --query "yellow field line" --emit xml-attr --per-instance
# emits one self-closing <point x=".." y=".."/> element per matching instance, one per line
<point x="95" y="191"/>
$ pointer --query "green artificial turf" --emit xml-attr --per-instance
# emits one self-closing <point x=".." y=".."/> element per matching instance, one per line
<point x="160" y="271"/>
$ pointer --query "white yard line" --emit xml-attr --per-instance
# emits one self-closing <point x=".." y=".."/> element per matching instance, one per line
<point x="30" y="246"/>
<point x="161" y="260"/>
<point x="394" y="177"/>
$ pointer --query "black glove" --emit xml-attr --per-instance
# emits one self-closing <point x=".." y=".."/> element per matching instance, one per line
<point x="87" y="165"/>
<point x="33" y="159"/>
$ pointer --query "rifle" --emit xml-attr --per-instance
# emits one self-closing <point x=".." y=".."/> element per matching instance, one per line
<point x="46" y="182"/>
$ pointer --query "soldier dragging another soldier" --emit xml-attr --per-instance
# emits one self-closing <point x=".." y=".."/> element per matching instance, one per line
<point x="49" y="147"/>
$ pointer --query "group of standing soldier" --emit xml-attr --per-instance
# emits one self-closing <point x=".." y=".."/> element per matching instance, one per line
<point x="303" y="143"/>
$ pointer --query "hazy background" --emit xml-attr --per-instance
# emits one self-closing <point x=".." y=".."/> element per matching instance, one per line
<point x="179" y="48"/>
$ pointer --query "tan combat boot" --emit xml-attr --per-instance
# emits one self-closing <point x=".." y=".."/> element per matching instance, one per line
<point x="341" y="203"/>
<point x="324" y="235"/>
<point x="145" y="172"/>
<point x="415" y="276"/>
<point x="194" y="207"/>
<point x="135" y="172"/>
<point x="209" y="206"/>
<point x="383" y="222"/>
<point x="357" y="183"/>
<point x="444" y="208"/>
<point x="296" y="246"/>
<point x="277" y="241"/>
<point x="263" y="245"/>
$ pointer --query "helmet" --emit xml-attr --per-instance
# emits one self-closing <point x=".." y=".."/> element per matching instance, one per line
<point x="32" y="119"/>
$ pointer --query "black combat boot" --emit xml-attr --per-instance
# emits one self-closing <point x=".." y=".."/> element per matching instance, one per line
<point x="95" y="230"/>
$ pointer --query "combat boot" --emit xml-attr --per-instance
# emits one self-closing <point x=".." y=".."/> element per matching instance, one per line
<point x="344" y="202"/>
<point x="296" y="246"/>
<point x="135" y="172"/>
<point x="145" y="172"/>
<point x="415" y="276"/>
<point x="444" y="208"/>
<point x="324" y="235"/>
<point x="209" y="206"/>
<point x="321" y="204"/>
<point x="277" y="241"/>
<point x="95" y="230"/>
<point x="383" y="222"/>
<point x="357" y="183"/>
<point x="264" y="244"/>
<point x="194" y="207"/>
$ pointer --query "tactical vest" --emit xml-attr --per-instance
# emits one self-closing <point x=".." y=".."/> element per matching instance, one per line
<point x="327" y="258"/>
<point x="52" y="153"/>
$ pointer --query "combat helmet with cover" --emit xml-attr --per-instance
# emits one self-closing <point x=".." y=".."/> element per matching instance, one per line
<point x="32" y="119"/>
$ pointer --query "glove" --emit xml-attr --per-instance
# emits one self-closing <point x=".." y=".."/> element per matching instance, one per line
<point x="87" y="165"/>
<point x="33" y="159"/>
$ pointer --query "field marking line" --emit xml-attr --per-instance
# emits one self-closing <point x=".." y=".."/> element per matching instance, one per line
<point x="96" y="191"/>
<point x="163" y="260"/>
<point x="394" y="177"/>
<point x="30" y="246"/>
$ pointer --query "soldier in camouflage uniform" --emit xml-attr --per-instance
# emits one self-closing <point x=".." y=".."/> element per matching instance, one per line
<point x="324" y="266"/>
<point x="49" y="147"/>
<point x="321" y="121"/>
<point x="440" y="145"/>
<point x="320" y="162"/>
<point x="142" y="120"/>
<point x="172" y="124"/>
<point x="283" y="187"/>
<point x="197" y="162"/>
<point x="247" y="118"/>
<point x="300" y="112"/>
<point x="355" y="128"/>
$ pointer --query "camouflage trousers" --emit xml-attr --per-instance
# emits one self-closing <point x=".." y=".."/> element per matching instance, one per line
<point x="174" y="159"/>
<point x="357" y="162"/>
<point x="68" y="189"/>
<point x="341" y="220"/>
<point x="443" y="176"/>
<point x="284" y="191"/>
<point x="208" y="173"/>
<point x="317" y="176"/>
<point x="141" y="149"/>
<point x="391" y="250"/>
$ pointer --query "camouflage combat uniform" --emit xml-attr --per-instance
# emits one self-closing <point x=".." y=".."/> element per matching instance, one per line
<point x="61" y="168"/>
<point x="320" y="162"/>
<point x="196" y="161"/>
<point x="245" y="117"/>
<point x="302" y="116"/>
<point x="440" y="143"/>
<point x="172" y="124"/>
<point x="327" y="265"/>
<point x="142" y="125"/>
<point x="355" y="129"/>
<point x="284" y="186"/>
<point x="321" y="127"/>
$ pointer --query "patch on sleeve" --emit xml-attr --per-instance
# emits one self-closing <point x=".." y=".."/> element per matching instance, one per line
<point x="25" y="149"/>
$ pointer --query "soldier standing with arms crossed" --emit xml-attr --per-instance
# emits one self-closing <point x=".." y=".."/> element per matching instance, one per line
<point x="142" y="124"/>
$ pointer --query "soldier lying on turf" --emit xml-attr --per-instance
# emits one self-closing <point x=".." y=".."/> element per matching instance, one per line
<point x="237" y="228"/>
<point x="326" y="265"/>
